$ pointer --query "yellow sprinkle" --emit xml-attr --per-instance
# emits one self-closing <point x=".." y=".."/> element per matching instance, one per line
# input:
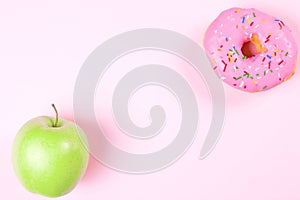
<point x="239" y="10"/>
<point x="213" y="61"/>
<point x="263" y="21"/>
<point x="248" y="20"/>
<point x="276" y="50"/>
<point x="254" y="82"/>
<point x="243" y="27"/>
<point x="237" y="26"/>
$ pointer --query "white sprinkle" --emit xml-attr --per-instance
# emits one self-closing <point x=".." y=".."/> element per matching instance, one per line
<point x="223" y="78"/>
<point x="242" y="83"/>
<point x="256" y="69"/>
<point x="278" y="75"/>
<point x="249" y="66"/>
<point x="276" y="69"/>
<point x="256" y="26"/>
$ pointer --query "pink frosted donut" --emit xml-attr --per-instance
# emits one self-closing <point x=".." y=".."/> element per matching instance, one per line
<point x="250" y="50"/>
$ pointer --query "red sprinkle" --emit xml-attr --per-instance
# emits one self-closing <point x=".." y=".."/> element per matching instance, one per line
<point x="224" y="66"/>
<point x="245" y="86"/>
<point x="234" y="84"/>
<point x="251" y="23"/>
<point x="269" y="64"/>
<point x="280" y="26"/>
<point x="280" y="62"/>
<point x="263" y="59"/>
<point x="221" y="46"/>
<point x="235" y="59"/>
<point x="282" y="23"/>
<point x="267" y="40"/>
<point x="215" y="67"/>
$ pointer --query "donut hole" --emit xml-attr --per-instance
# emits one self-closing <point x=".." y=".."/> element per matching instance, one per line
<point x="249" y="49"/>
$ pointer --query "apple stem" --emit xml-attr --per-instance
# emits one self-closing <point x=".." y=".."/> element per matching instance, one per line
<point x="56" y="118"/>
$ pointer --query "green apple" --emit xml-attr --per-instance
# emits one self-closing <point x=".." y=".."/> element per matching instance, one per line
<point x="50" y="155"/>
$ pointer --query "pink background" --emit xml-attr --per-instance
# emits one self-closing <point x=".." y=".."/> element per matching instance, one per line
<point x="42" y="47"/>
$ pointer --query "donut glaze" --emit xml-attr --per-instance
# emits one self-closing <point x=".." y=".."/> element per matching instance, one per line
<point x="250" y="50"/>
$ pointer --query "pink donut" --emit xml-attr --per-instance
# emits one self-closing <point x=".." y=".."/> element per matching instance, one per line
<point x="250" y="50"/>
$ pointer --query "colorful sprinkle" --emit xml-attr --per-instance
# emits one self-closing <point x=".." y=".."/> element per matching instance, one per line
<point x="268" y="38"/>
<point x="236" y="51"/>
<point x="269" y="56"/>
<point x="243" y="20"/>
<point x="242" y="83"/>
<point x="225" y="65"/>
<point x="238" y="78"/>
<point x="214" y="61"/>
<point x="254" y="14"/>
<point x="287" y="53"/>
<point x="265" y="87"/>
<point x="251" y="23"/>
<point x="280" y="62"/>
